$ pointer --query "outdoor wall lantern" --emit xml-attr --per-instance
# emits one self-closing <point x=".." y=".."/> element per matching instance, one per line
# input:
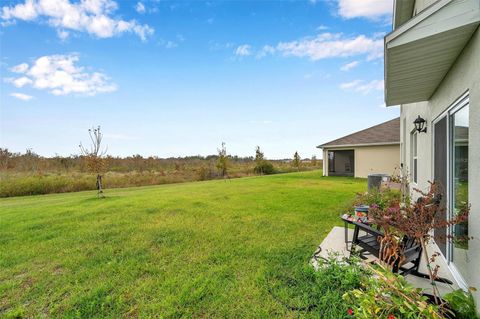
<point x="420" y="125"/>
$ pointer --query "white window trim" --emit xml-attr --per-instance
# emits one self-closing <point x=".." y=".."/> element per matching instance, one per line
<point x="459" y="103"/>
<point x="413" y="157"/>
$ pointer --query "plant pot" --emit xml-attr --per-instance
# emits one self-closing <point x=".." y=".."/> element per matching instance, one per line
<point x="450" y="314"/>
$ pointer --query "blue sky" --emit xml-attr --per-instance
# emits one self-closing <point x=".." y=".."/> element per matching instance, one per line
<point x="177" y="78"/>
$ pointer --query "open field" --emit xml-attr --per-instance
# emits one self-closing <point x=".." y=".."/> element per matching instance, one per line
<point x="213" y="249"/>
<point x="24" y="175"/>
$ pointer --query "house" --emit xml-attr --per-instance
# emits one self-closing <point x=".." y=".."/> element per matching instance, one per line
<point x="432" y="70"/>
<point x="372" y="150"/>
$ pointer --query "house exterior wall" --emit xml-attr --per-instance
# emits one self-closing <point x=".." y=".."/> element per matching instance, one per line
<point x="376" y="159"/>
<point x="370" y="159"/>
<point x="420" y="5"/>
<point x="464" y="75"/>
<point x="325" y="162"/>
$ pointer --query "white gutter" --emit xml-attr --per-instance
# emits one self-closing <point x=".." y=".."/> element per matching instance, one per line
<point x="416" y="20"/>
<point x="357" y="145"/>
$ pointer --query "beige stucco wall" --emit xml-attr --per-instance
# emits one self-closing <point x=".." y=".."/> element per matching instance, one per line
<point x="376" y="159"/>
<point x="370" y="159"/>
<point x="464" y="75"/>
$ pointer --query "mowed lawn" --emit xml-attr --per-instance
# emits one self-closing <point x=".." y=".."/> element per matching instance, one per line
<point x="214" y="249"/>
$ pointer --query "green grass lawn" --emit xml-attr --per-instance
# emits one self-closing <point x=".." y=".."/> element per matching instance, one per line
<point x="215" y="249"/>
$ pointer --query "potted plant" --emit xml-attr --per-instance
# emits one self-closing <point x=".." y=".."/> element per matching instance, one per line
<point x="416" y="220"/>
<point x="419" y="220"/>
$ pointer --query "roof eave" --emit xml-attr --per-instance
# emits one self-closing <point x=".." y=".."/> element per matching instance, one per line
<point x="323" y="146"/>
<point x="402" y="12"/>
<point x="420" y="52"/>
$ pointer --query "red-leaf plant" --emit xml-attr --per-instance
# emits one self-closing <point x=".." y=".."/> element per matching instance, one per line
<point x="416" y="220"/>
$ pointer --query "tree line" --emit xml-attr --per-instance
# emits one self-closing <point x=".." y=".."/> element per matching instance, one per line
<point x="29" y="173"/>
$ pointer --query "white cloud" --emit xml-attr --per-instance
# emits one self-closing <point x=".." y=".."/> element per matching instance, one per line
<point x="23" y="11"/>
<point x="330" y="45"/>
<point x="266" y="50"/>
<point x="91" y="16"/>
<point x="243" y="50"/>
<point x="140" y="8"/>
<point x="60" y="75"/>
<point x="21" y="96"/>
<point x="21" y="68"/>
<point x="62" y="34"/>
<point x="322" y="28"/>
<point x="349" y="66"/>
<point x="370" y="9"/>
<point x="361" y="87"/>
<point x="20" y="82"/>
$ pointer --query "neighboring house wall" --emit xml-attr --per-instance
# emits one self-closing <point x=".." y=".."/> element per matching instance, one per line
<point x="376" y="159"/>
<point x="464" y="75"/>
<point x="370" y="159"/>
<point x="325" y="162"/>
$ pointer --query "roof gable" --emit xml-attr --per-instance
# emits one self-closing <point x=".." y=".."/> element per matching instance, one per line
<point x="384" y="133"/>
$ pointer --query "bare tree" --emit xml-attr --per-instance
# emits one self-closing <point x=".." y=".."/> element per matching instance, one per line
<point x="94" y="157"/>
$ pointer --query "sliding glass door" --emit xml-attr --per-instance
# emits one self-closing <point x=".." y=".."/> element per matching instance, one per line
<point x="440" y="165"/>
<point x="459" y="186"/>
<point x="450" y="162"/>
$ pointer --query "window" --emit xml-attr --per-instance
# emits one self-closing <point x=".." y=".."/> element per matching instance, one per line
<point x="414" y="156"/>
<point x="459" y="186"/>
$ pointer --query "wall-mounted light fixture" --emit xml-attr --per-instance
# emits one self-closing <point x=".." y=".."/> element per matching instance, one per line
<point x="420" y="125"/>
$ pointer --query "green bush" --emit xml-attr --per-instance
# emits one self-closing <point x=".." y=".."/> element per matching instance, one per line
<point x="382" y="198"/>
<point x="462" y="303"/>
<point x="388" y="295"/>
<point x="264" y="168"/>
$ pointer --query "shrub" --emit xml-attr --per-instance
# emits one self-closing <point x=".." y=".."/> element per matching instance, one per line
<point x="264" y="168"/>
<point x="381" y="198"/>
<point x="388" y="295"/>
<point x="462" y="303"/>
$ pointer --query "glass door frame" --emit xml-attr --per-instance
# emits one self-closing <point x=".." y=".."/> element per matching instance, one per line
<point x="461" y="102"/>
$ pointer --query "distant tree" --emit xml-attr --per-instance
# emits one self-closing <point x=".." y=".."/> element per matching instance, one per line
<point x="65" y="162"/>
<point x="30" y="160"/>
<point x="5" y="156"/>
<point x="314" y="160"/>
<point x="222" y="161"/>
<point x="259" y="160"/>
<point x="94" y="157"/>
<point x="296" y="161"/>
<point x="259" y="156"/>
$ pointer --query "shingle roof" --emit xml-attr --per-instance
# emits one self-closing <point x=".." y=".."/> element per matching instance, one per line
<point x="384" y="133"/>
